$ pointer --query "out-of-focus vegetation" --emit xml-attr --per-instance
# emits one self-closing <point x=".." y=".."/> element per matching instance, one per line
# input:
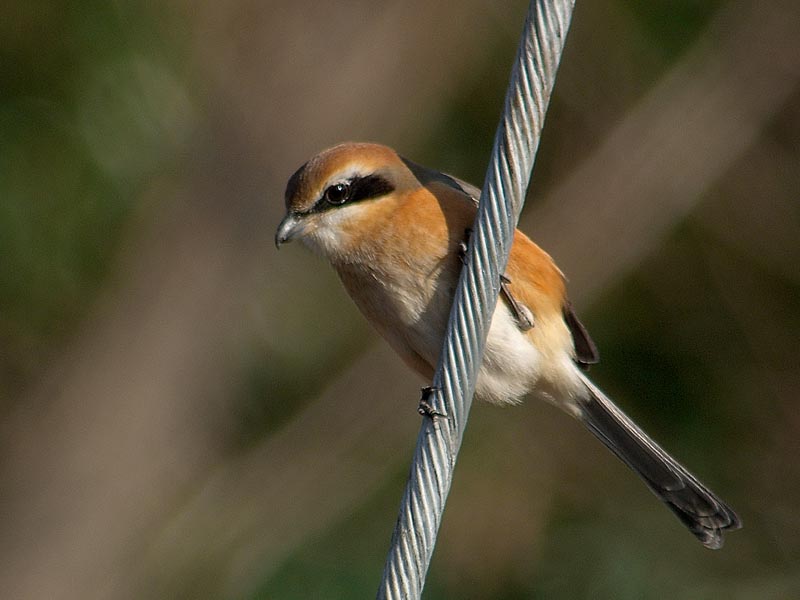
<point x="187" y="413"/>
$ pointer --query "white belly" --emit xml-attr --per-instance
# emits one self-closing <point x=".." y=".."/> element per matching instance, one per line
<point x="511" y="363"/>
<point x="412" y="316"/>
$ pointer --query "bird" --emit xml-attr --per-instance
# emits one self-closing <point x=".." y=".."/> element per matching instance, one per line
<point x="395" y="231"/>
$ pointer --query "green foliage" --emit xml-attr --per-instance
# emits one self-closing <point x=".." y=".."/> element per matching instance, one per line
<point x="89" y="108"/>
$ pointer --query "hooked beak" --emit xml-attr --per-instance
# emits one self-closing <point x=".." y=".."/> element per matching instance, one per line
<point x="287" y="229"/>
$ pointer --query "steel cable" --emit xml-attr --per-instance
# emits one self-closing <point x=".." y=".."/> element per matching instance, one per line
<point x="515" y="144"/>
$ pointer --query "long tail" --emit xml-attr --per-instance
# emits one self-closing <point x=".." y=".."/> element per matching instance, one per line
<point x="696" y="506"/>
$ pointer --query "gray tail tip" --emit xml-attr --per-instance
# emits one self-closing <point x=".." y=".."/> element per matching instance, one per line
<point x="707" y="521"/>
<point x="713" y="539"/>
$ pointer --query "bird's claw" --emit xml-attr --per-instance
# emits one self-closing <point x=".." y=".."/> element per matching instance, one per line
<point x="425" y="408"/>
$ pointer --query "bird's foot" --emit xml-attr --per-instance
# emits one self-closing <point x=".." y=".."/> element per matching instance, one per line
<point x="425" y="408"/>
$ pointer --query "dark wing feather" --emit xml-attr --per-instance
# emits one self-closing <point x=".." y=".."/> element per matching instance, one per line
<point x="585" y="349"/>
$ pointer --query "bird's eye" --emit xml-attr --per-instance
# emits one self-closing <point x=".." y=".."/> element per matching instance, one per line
<point x="338" y="193"/>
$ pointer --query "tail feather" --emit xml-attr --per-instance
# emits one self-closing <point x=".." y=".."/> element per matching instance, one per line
<point x="695" y="505"/>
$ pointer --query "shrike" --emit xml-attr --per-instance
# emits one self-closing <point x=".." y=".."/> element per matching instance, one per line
<point x="394" y="232"/>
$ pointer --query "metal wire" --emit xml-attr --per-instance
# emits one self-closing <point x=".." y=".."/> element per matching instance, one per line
<point x="503" y="195"/>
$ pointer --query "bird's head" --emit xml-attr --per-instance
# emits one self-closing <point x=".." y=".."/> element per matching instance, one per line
<point x="333" y="198"/>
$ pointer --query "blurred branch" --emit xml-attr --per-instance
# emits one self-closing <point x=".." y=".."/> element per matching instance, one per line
<point x="269" y="500"/>
<point x="690" y="128"/>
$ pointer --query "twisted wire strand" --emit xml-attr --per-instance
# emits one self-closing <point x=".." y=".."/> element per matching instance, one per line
<point x="515" y="144"/>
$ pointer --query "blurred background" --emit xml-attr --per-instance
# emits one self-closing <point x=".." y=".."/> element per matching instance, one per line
<point x="187" y="413"/>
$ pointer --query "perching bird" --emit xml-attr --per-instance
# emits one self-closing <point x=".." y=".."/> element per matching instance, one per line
<point x="394" y="232"/>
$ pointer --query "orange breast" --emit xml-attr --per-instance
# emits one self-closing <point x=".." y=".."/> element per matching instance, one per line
<point x="408" y="264"/>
